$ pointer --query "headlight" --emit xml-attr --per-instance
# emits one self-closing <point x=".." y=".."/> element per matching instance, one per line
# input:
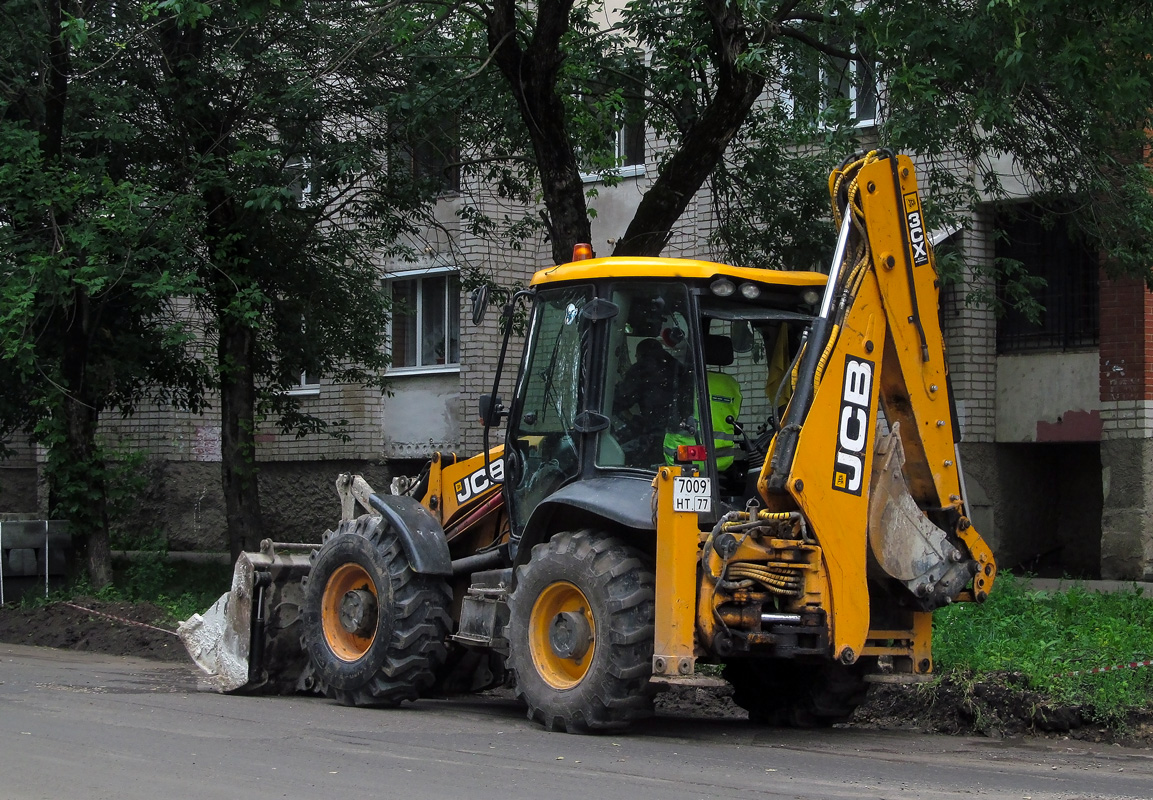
<point x="750" y="291"/>
<point x="722" y="287"/>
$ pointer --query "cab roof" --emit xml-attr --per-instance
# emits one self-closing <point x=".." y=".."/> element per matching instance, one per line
<point x="685" y="269"/>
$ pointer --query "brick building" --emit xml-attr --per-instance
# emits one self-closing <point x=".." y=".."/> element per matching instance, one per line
<point x="1056" y="414"/>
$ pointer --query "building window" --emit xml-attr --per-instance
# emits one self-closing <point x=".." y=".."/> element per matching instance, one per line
<point x="852" y="81"/>
<point x="432" y="157"/>
<point x="425" y="330"/>
<point x="1032" y="246"/>
<point x="627" y="147"/>
<point x="299" y="170"/>
<point x="309" y="384"/>
<point x="819" y="82"/>
<point x="435" y="159"/>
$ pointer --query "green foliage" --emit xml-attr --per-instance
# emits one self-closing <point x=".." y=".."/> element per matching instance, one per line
<point x="997" y="99"/>
<point x="192" y="175"/>
<point x="1049" y="97"/>
<point x="1044" y="635"/>
<point x="93" y="252"/>
<point x="180" y="589"/>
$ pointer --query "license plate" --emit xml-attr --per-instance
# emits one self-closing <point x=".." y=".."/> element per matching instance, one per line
<point x="692" y="494"/>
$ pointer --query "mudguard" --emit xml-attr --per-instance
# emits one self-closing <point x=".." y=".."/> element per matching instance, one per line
<point x="420" y="534"/>
<point x="623" y="499"/>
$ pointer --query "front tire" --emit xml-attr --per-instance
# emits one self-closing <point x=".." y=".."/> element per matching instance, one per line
<point x="374" y="630"/>
<point x="581" y="633"/>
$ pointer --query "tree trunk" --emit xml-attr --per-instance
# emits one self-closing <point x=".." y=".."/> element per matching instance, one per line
<point x="703" y="145"/>
<point x="77" y="470"/>
<point x="532" y="76"/>
<point x="238" y="436"/>
<point x="206" y="130"/>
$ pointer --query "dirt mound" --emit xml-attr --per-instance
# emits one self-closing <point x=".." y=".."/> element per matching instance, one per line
<point x="81" y="625"/>
<point x="998" y="705"/>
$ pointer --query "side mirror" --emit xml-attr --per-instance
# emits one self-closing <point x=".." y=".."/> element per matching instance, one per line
<point x="479" y="303"/>
<point x="492" y="410"/>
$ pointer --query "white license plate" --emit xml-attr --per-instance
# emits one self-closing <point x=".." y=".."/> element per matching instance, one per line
<point x="692" y="494"/>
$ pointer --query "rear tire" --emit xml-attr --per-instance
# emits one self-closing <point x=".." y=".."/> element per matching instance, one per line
<point x="374" y="630"/>
<point x="581" y="633"/>
<point x="790" y="694"/>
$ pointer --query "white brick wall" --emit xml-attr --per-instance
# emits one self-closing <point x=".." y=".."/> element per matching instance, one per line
<point x="1127" y="419"/>
<point x="971" y="337"/>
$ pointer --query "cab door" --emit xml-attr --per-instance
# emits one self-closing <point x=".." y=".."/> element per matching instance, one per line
<point x="544" y="445"/>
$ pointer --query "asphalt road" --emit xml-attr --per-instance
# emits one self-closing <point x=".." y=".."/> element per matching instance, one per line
<point x="78" y="726"/>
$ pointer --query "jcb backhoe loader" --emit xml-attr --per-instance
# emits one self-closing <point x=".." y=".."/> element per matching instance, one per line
<point x="701" y="463"/>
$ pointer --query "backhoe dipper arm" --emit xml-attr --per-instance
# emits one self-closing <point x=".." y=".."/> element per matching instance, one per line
<point x="883" y="350"/>
<point x="914" y="377"/>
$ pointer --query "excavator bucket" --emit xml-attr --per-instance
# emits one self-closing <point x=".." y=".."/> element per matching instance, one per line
<point x="905" y="544"/>
<point x="249" y="641"/>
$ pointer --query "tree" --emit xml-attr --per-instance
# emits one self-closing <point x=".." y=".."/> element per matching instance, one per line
<point x="1060" y="88"/>
<point x="92" y="256"/>
<point x="760" y="99"/>
<point x="276" y="118"/>
<point x="196" y="198"/>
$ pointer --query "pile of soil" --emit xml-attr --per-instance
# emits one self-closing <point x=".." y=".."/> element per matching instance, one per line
<point x="997" y="706"/>
<point x="82" y="625"/>
<point x="1000" y="704"/>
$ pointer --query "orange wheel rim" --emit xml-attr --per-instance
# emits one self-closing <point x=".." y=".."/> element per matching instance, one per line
<point x="345" y="644"/>
<point x="558" y="605"/>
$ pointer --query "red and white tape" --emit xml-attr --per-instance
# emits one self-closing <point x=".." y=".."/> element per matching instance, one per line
<point x="120" y="619"/>
<point x="1131" y="665"/>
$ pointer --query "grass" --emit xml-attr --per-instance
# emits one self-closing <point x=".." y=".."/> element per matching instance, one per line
<point x="1045" y="635"/>
<point x="179" y="589"/>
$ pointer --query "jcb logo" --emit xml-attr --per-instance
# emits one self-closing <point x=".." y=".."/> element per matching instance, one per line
<point x="916" y="227"/>
<point x="478" y="482"/>
<point x="853" y="431"/>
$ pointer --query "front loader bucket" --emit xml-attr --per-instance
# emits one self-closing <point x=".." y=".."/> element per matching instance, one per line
<point x="249" y="641"/>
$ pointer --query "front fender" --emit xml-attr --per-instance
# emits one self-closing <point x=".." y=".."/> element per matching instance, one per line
<point x="421" y="536"/>
<point x="622" y="500"/>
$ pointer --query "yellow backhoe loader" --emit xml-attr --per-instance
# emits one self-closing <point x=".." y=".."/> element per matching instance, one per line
<point x="702" y="463"/>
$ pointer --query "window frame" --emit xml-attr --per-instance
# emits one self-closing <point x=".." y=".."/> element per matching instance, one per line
<point x="300" y="167"/>
<point x="620" y="153"/>
<point x="852" y="72"/>
<point x="433" y="157"/>
<point x="419" y="274"/>
<point x="824" y="77"/>
<point x="1070" y="299"/>
<point x="305" y="388"/>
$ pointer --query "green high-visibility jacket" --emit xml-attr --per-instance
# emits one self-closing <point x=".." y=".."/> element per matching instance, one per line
<point x="724" y="402"/>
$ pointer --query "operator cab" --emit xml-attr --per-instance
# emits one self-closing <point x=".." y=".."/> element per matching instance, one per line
<point x="628" y="359"/>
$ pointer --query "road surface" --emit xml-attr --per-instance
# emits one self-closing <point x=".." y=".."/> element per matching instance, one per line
<point x="85" y="726"/>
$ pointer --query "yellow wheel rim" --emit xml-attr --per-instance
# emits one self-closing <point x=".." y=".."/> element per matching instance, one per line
<point x="347" y="645"/>
<point x="552" y="633"/>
